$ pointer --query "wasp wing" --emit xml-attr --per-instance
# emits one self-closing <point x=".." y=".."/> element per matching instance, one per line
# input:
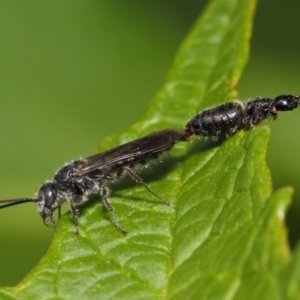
<point x="152" y="144"/>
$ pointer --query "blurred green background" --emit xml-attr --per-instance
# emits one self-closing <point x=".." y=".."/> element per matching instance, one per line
<point x="73" y="72"/>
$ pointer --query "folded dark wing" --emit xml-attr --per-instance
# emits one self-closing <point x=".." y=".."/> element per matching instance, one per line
<point x="152" y="144"/>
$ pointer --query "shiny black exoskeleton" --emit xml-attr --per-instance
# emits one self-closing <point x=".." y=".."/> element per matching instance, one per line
<point x="226" y="119"/>
<point x="75" y="181"/>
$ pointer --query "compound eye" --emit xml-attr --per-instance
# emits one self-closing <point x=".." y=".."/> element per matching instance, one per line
<point x="50" y="198"/>
<point x="50" y="194"/>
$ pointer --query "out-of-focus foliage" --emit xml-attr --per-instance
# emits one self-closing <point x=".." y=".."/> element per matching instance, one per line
<point x="100" y="63"/>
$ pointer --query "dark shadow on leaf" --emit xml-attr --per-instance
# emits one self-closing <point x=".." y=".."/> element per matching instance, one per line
<point x="202" y="145"/>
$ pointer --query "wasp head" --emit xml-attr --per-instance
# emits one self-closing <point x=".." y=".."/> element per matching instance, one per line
<point x="47" y="203"/>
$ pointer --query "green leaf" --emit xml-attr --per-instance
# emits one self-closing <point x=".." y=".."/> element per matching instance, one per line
<point x="223" y="235"/>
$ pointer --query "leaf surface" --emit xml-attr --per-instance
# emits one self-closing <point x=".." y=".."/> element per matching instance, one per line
<point x="223" y="235"/>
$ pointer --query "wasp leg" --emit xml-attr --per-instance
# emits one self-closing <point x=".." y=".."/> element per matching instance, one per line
<point x="138" y="179"/>
<point x="104" y="194"/>
<point x="75" y="214"/>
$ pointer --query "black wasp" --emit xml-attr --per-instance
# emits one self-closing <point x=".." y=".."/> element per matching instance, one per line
<point x="75" y="181"/>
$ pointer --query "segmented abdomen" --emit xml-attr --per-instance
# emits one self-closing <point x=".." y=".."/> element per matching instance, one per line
<point x="222" y="120"/>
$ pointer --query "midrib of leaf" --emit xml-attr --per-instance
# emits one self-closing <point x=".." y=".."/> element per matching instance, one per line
<point x="217" y="240"/>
